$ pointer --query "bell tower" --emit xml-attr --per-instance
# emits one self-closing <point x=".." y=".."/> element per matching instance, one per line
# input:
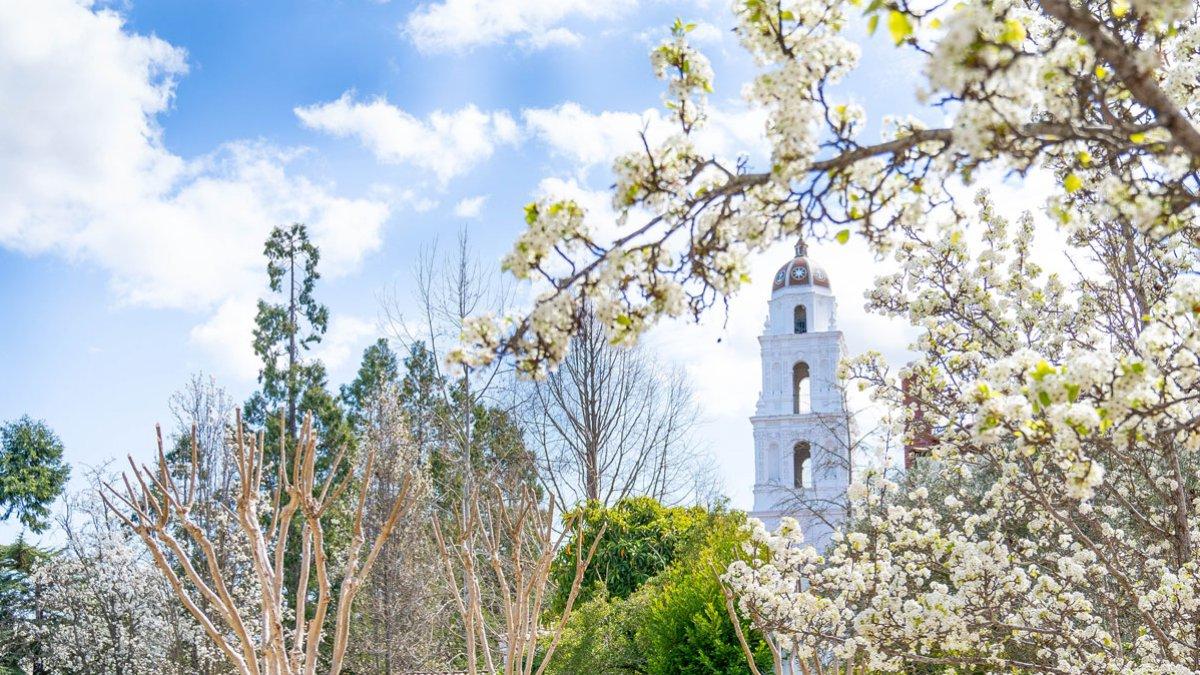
<point x="801" y="427"/>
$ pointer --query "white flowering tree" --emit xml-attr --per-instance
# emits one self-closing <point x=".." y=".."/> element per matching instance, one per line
<point x="1063" y="413"/>
<point x="102" y="607"/>
<point x="1095" y="96"/>
<point x="1057" y="532"/>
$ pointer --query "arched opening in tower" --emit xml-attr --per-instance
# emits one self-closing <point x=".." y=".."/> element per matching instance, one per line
<point x="801" y="389"/>
<point x="801" y="454"/>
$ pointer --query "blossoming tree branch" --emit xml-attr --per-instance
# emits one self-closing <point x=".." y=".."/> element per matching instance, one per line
<point x="1098" y="93"/>
<point x="1051" y="525"/>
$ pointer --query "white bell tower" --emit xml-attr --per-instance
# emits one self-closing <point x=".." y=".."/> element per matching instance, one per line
<point x="801" y="428"/>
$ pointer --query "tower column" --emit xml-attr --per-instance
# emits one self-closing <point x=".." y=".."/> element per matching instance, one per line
<point x="801" y="422"/>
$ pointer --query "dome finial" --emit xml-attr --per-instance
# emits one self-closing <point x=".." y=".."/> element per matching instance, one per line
<point x="801" y="248"/>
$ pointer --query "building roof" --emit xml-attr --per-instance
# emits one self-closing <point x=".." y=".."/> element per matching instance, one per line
<point x="800" y="271"/>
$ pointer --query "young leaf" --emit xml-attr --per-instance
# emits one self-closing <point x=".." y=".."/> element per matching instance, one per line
<point x="899" y="26"/>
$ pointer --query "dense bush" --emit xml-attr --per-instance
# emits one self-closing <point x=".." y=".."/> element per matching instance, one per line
<point x="643" y="537"/>
<point x="686" y="629"/>
<point x="601" y="637"/>
<point x="671" y="618"/>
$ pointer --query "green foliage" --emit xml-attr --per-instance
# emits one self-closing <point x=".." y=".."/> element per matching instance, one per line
<point x="686" y="629"/>
<point x="291" y="385"/>
<point x="642" y="539"/>
<point x="380" y="369"/>
<point x="601" y="636"/>
<point x="18" y="605"/>
<point x="646" y="616"/>
<point x="435" y="410"/>
<point x="32" y="472"/>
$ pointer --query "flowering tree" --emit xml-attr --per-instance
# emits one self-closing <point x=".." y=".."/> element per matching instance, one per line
<point x="1062" y="410"/>
<point x="1057" y="531"/>
<point x="1058" y="536"/>
<point x="1098" y="93"/>
<point x="99" y="605"/>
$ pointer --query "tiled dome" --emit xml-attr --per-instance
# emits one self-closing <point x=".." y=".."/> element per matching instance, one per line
<point x="800" y="271"/>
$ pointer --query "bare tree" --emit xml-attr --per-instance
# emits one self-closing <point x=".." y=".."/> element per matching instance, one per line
<point x="611" y="422"/>
<point x="507" y="544"/>
<point x="157" y="505"/>
<point x="851" y="439"/>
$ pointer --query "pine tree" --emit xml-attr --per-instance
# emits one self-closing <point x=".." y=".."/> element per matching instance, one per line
<point x="380" y="369"/>
<point x="18" y="608"/>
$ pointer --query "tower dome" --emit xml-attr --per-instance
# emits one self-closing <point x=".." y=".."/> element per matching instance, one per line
<point x="800" y="271"/>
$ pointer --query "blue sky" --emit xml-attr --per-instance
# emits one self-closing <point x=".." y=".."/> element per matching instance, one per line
<point x="147" y="147"/>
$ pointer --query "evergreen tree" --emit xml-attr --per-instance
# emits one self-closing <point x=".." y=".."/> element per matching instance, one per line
<point x="32" y="472"/>
<point x="18" y="608"/>
<point x="380" y="369"/>
<point x="292" y="385"/>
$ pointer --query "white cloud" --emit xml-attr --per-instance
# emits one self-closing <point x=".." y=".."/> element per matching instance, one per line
<point x="344" y="342"/>
<point x="85" y="175"/>
<point x="555" y="37"/>
<point x="225" y="336"/>
<point x="470" y="207"/>
<point x="589" y="138"/>
<point x="461" y="25"/>
<point x="707" y="34"/>
<point x="448" y="144"/>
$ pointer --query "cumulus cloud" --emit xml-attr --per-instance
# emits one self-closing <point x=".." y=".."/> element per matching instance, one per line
<point x="590" y="138"/>
<point x="448" y="144"/>
<point x="85" y="174"/>
<point x="470" y="207"/>
<point x="225" y="336"/>
<point x="462" y="25"/>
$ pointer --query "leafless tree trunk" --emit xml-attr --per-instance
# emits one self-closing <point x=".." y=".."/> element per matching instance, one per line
<point x="611" y="423"/>
<point x="508" y="544"/>
<point x="158" y="507"/>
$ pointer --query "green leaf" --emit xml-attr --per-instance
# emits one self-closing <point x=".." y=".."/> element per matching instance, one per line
<point x="842" y="237"/>
<point x="1014" y="32"/>
<point x="1072" y="183"/>
<point x="899" y="25"/>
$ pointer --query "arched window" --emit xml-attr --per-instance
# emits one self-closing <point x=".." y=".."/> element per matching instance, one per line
<point x="800" y="319"/>
<point x="801" y="474"/>
<point x="801" y="389"/>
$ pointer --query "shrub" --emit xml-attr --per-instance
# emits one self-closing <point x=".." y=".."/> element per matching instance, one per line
<point x="686" y="630"/>
<point x="643" y="538"/>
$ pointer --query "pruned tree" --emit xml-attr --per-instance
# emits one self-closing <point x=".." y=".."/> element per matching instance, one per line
<point x="502" y="554"/>
<point x="610" y="423"/>
<point x="159" y="508"/>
